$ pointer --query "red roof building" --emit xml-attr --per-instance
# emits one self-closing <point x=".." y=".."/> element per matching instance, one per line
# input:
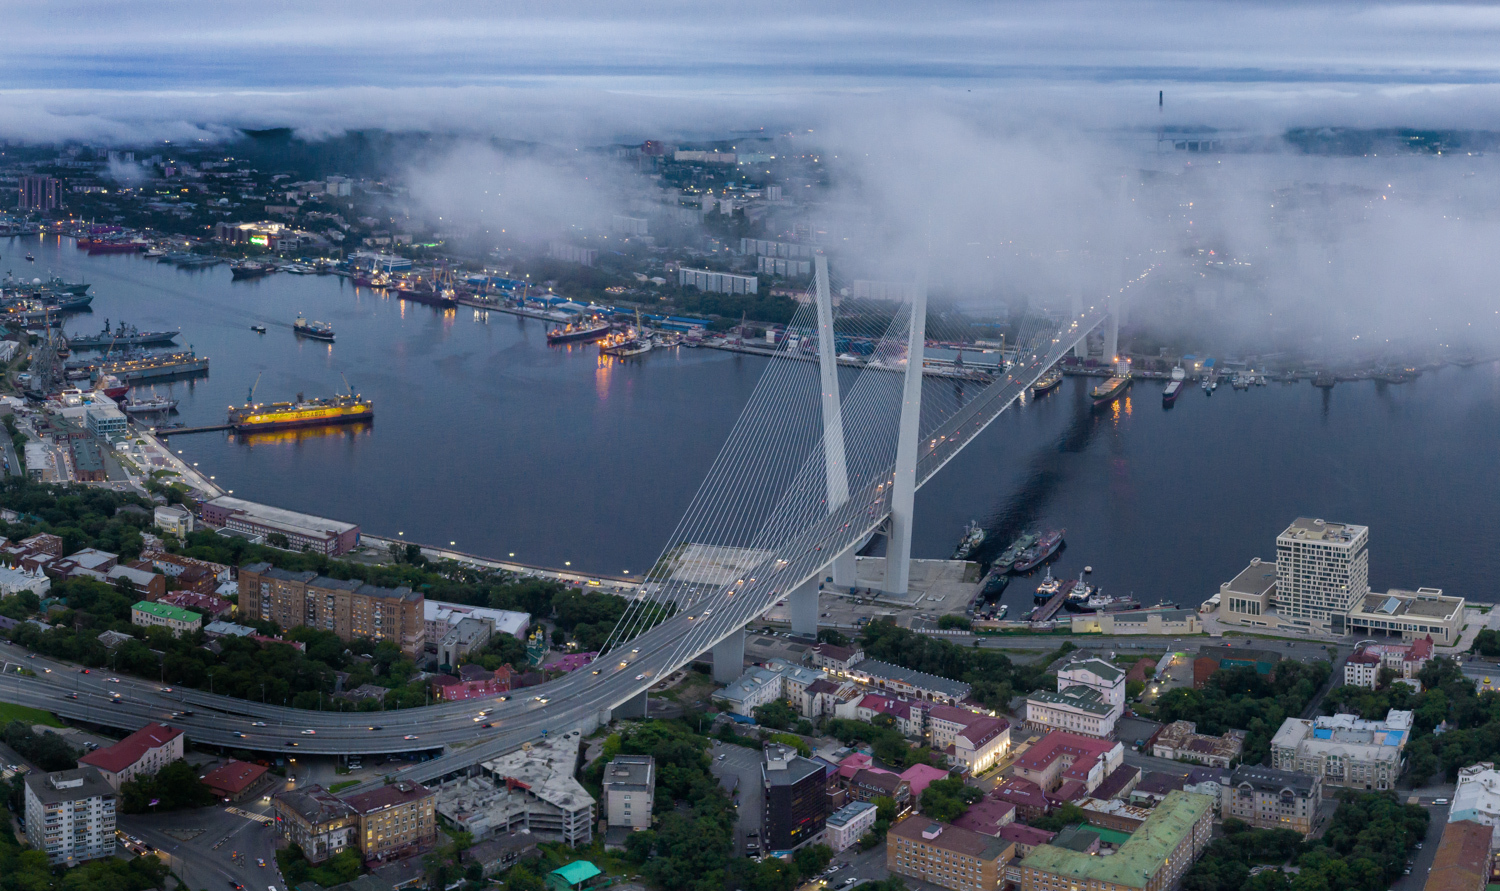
<point x="1061" y="756"/>
<point x="234" y="780"/>
<point x="141" y="753"/>
<point x="1027" y="797"/>
<point x="447" y="688"/>
<point x="210" y="604"/>
<point x="987" y="817"/>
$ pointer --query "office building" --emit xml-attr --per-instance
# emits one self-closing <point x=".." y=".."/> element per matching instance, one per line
<point x="572" y="253"/>
<point x="719" y="282"/>
<point x="1181" y="741"/>
<point x="164" y="615"/>
<point x="1464" y="860"/>
<point x="142" y="753"/>
<point x="316" y="821"/>
<point x="107" y="422"/>
<point x="847" y="825"/>
<point x="37" y="193"/>
<point x="1409" y="615"/>
<point x="396" y="821"/>
<point x="347" y="607"/>
<point x="945" y="855"/>
<point x="70" y="815"/>
<point x="1267" y="798"/>
<point x="440" y="618"/>
<point x="629" y="791"/>
<point x="795" y="799"/>
<point x="1154" y="858"/>
<point x="834" y="659"/>
<point x="908" y="682"/>
<point x="1344" y="750"/>
<point x="978" y="746"/>
<point x="1322" y="570"/>
<point x="173" y="520"/>
<point x="303" y="532"/>
<point x="234" y="780"/>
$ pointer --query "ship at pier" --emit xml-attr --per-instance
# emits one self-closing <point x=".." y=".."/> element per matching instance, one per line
<point x="1107" y="392"/>
<point x="591" y="328"/>
<point x="124" y="335"/>
<point x="343" y="409"/>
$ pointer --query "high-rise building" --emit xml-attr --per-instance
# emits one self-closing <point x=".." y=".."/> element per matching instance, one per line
<point x="70" y="815"/>
<point x="1322" y="571"/>
<point x="37" y="193"/>
<point x="796" y="799"/>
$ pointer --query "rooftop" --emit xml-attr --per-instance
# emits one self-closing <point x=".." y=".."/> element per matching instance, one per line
<point x="1254" y="580"/>
<point x="234" y="777"/>
<point x="848" y="813"/>
<point x="280" y="516"/>
<point x="546" y="771"/>
<point x="1267" y="779"/>
<point x="920" y="679"/>
<point x="1085" y="699"/>
<point x="1099" y="667"/>
<point x="166" y="611"/>
<point x="314" y="804"/>
<point x="68" y="785"/>
<point x="132" y="748"/>
<point x="634" y="771"/>
<point x="401" y="792"/>
<point x="1463" y="858"/>
<point x="949" y="838"/>
<point x="1058" y="744"/>
<point x="1137" y="860"/>
<point x="1306" y="529"/>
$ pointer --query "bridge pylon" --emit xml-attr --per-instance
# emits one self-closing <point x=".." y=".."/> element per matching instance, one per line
<point x="834" y="462"/>
<point x="904" y="482"/>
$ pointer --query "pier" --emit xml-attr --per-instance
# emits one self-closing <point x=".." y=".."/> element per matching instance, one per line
<point x="164" y="432"/>
<point x="1046" y="611"/>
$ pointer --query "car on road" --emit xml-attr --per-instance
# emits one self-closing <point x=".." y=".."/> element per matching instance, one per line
<point x="236" y="885"/>
<point x="257" y="723"/>
<point x="847" y="882"/>
<point x="640" y="677"/>
<point x="84" y="671"/>
<point x="409" y="736"/>
<point x="111" y="680"/>
<point x="374" y="727"/>
<point x="1440" y="801"/>
<point x="72" y="695"/>
<point x="486" y="725"/>
<point x="291" y="743"/>
<point x="166" y="689"/>
<point x="309" y="733"/>
<point x="239" y="735"/>
<point x="260" y="861"/>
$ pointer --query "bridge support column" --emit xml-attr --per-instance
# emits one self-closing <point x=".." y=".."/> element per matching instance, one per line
<point x="834" y="465"/>
<point x="729" y="658"/>
<point x="904" y="486"/>
<point x="1112" y="335"/>
<point x="844" y="567"/>
<point x="634" y="708"/>
<point x="803" y="604"/>
<point x="1080" y="349"/>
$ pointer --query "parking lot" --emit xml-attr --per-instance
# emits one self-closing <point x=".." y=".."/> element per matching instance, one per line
<point x="743" y="763"/>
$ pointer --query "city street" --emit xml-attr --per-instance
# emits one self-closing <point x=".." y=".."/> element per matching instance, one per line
<point x="210" y="848"/>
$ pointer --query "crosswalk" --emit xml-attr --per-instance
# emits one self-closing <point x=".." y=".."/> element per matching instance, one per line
<point x="241" y="812"/>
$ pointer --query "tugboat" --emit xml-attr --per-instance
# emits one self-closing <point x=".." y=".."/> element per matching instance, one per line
<point x="315" y="330"/>
<point x="973" y="538"/>
<point x="591" y="328"/>
<point x="1047" y="382"/>
<point x="258" y="329"/>
<point x="1038" y="553"/>
<point x="1107" y="392"/>
<point x="1080" y="592"/>
<point x="249" y="269"/>
<point x="1174" y="387"/>
<point x="1099" y="602"/>
<point x="146" y="406"/>
<point x="30" y="258"/>
<point x="1048" y="587"/>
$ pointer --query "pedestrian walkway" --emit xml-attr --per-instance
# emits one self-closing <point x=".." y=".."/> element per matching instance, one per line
<point x="259" y="818"/>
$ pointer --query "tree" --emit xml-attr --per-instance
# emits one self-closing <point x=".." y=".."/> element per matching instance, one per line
<point x="832" y="636"/>
<point x="775" y="714"/>
<point x="947" y="800"/>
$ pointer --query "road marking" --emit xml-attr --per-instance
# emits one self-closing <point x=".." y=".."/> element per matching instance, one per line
<point x="259" y="818"/>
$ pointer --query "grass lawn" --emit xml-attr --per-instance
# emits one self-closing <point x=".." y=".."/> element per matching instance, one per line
<point x="338" y="787"/>
<point x="11" y="712"/>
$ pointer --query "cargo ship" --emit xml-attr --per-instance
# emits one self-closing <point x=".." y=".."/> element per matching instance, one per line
<point x="156" y="366"/>
<point x="315" y="330"/>
<point x="422" y="293"/>
<point x="1047" y="382"/>
<point x="1107" y="392"/>
<point x="591" y="328"/>
<point x="345" y="409"/>
<point x="630" y="342"/>
<point x="1174" y="386"/>
<point x="124" y="335"/>
<point x="1040" y="552"/>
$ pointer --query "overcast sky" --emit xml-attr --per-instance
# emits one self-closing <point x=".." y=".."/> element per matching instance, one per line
<point x="554" y="68"/>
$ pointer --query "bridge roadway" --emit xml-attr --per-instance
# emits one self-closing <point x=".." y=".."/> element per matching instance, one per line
<point x="581" y="700"/>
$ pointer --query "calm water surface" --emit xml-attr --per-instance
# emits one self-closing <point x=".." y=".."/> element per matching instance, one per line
<point x="487" y="437"/>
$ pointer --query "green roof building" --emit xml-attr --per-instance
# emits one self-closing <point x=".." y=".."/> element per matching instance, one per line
<point x="1155" y="857"/>
<point x="572" y="876"/>
<point x="164" y="615"/>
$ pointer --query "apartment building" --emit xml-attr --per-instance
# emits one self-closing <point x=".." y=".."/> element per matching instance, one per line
<point x="847" y="825"/>
<point x="70" y="815"/>
<point x="175" y="619"/>
<point x="1063" y="757"/>
<point x="1322" y="571"/>
<point x="1406" y="660"/>
<point x="303" y="532"/>
<point x="1154" y="858"/>
<point x="978" y="746"/>
<point x="1344" y="750"/>
<point x="945" y="855"/>
<point x="395" y="821"/>
<point x="1267" y="798"/>
<point x="347" y="607"/>
<point x="312" y="818"/>
<point x="630" y="791"/>
<point x="1089" y="699"/>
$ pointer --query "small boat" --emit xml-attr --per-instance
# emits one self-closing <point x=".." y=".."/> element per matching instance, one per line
<point x="973" y="538"/>
<point x="995" y="582"/>
<point x="1004" y="608"/>
<point x="1048" y="587"/>
<point x="1242" y="381"/>
<point x="31" y="258"/>
<point x="1080" y="591"/>
<point x="249" y="269"/>
<point x="315" y="330"/>
<point x="1047" y="382"/>
<point x="1038" y="553"/>
<point x="258" y="329"/>
<point x="1174" y="386"/>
